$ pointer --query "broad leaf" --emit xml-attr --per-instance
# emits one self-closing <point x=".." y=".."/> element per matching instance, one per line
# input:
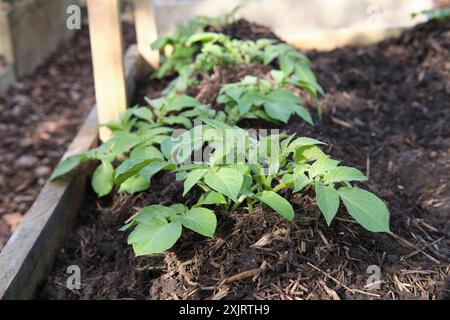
<point x="192" y="178"/>
<point x="103" y="179"/>
<point x="321" y="166"/>
<point x="134" y="184"/>
<point x="327" y="199"/>
<point x="226" y="181"/>
<point x="211" y="197"/>
<point x="344" y="174"/>
<point x="154" y="238"/>
<point x="200" y="220"/>
<point x="67" y="165"/>
<point x="366" y="208"/>
<point x="277" y="203"/>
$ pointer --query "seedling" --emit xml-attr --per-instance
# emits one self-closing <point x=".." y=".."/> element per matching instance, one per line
<point x="244" y="170"/>
<point x="157" y="228"/>
<point x="254" y="98"/>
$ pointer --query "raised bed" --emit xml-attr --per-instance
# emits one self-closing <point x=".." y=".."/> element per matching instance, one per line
<point x="29" y="254"/>
<point x="314" y="251"/>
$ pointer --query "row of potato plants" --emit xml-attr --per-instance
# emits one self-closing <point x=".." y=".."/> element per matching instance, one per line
<point x="236" y="170"/>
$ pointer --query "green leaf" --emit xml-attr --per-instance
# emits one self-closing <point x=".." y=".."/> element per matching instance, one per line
<point x="181" y="102"/>
<point x="366" y="208"/>
<point x="180" y="120"/>
<point x="192" y="178"/>
<point x="226" y="181"/>
<point x="328" y="201"/>
<point x="284" y="97"/>
<point x="103" y="179"/>
<point x="124" y="141"/>
<point x="134" y="184"/>
<point x="340" y="174"/>
<point x="308" y="153"/>
<point x="277" y="203"/>
<point x="301" y="142"/>
<point x="200" y="220"/>
<point x="146" y="152"/>
<point x="248" y="100"/>
<point x="154" y="238"/>
<point x="277" y="111"/>
<point x="153" y="168"/>
<point x="143" y="113"/>
<point x="211" y="197"/>
<point x="303" y="113"/>
<point x="321" y="166"/>
<point x="300" y="179"/>
<point x="129" y="168"/>
<point x="67" y="165"/>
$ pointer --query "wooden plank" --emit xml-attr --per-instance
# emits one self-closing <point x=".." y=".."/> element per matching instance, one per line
<point x="107" y="59"/>
<point x="7" y="78"/>
<point x="146" y="30"/>
<point x="29" y="254"/>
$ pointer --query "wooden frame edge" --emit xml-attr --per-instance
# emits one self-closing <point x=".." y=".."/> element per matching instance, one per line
<point x="30" y="253"/>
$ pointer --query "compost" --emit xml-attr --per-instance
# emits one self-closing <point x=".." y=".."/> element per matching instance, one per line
<point x="386" y="111"/>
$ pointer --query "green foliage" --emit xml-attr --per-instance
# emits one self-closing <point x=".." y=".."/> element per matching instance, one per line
<point x="253" y="98"/>
<point x="157" y="228"/>
<point x="240" y="172"/>
<point x="183" y="51"/>
<point x="246" y="171"/>
<point x="441" y="14"/>
<point x="129" y="159"/>
<point x="218" y="49"/>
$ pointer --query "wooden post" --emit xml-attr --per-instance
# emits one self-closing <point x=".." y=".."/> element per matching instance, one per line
<point x="146" y="30"/>
<point x="107" y="59"/>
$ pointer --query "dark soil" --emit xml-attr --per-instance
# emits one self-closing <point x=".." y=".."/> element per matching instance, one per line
<point x="245" y="30"/>
<point x="386" y="111"/>
<point x="39" y="117"/>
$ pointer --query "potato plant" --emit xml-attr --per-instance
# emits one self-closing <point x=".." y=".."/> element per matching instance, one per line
<point x="218" y="49"/>
<point x="242" y="172"/>
<point x="254" y="98"/>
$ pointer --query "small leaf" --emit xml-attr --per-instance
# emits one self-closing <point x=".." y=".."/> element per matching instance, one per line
<point x="303" y="113"/>
<point x="226" y="181"/>
<point x="143" y="113"/>
<point x="103" y="179"/>
<point x="146" y="152"/>
<point x="301" y="142"/>
<point x="135" y="184"/>
<point x="67" y="165"/>
<point x="321" y="166"/>
<point x="277" y="111"/>
<point x="248" y="100"/>
<point x="154" y="238"/>
<point x="211" y="197"/>
<point x="277" y="203"/>
<point x="327" y="199"/>
<point x="300" y="180"/>
<point x="153" y="168"/>
<point x="181" y="102"/>
<point x="192" y="178"/>
<point x="340" y="174"/>
<point x="200" y="220"/>
<point x="366" y="208"/>
<point x="129" y="168"/>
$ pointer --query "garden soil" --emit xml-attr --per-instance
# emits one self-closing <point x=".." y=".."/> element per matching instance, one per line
<point x="386" y="111"/>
